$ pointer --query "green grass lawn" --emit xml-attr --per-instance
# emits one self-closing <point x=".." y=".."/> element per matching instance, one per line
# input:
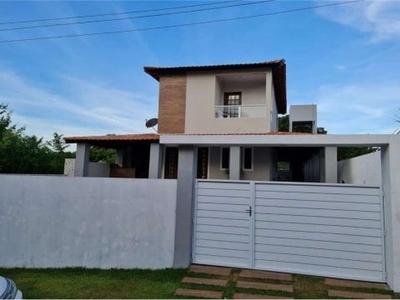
<point x="81" y="283"/>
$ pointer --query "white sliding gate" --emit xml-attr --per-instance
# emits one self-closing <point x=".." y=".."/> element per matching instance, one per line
<point x="332" y="230"/>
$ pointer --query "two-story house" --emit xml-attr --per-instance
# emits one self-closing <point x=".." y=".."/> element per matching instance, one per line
<point x="234" y="99"/>
<point x="231" y="99"/>
<point x="220" y="122"/>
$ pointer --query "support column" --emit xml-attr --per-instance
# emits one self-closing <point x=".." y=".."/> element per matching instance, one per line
<point x="234" y="163"/>
<point x="331" y="165"/>
<point x="155" y="163"/>
<point x="390" y="156"/>
<point x="187" y="161"/>
<point x="82" y="160"/>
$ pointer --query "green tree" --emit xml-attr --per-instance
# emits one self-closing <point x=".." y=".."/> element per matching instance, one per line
<point x="21" y="153"/>
<point x="283" y="123"/>
<point x="104" y="155"/>
<point x="57" y="144"/>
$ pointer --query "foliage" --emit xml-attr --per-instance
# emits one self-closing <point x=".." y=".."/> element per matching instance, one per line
<point x="283" y="123"/>
<point x="104" y="155"/>
<point x="58" y="143"/>
<point x="350" y="152"/>
<point x="21" y="153"/>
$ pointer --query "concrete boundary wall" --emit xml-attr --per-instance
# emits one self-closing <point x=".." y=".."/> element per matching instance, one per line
<point x="364" y="169"/>
<point x="49" y="221"/>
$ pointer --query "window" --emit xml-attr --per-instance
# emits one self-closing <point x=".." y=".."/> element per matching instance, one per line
<point x="232" y="102"/>
<point x="247" y="161"/>
<point x="224" y="158"/>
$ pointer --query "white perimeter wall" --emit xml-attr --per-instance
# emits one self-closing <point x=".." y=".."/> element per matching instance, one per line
<point x="48" y="221"/>
<point x="364" y="169"/>
<point x="95" y="169"/>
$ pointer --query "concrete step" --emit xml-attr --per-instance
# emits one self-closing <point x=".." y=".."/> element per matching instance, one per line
<point x="265" y="275"/>
<point x="198" y="293"/>
<point x="222" y="271"/>
<point x="357" y="295"/>
<point x="356" y="284"/>
<point x="265" y="286"/>
<point x="256" y="296"/>
<point x="205" y="281"/>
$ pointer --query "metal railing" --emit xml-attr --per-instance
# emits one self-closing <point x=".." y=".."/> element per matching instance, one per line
<point x="241" y="111"/>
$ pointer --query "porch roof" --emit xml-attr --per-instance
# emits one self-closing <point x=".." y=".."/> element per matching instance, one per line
<point x="278" y="70"/>
<point x="114" y="140"/>
<point x="279" y="139"/>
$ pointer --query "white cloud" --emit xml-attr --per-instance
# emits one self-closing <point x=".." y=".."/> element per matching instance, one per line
<point x="379" y="18"/>
<point x="88" y="108"/>
<point x="358" y="108"/>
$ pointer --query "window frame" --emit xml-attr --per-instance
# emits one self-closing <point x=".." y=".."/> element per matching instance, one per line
<point x="232" y="112"/>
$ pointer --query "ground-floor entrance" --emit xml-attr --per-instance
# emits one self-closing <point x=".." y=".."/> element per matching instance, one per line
<point x="332" y="230"/>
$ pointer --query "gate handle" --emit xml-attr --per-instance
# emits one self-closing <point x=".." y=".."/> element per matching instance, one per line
<point x="249" y="211"/>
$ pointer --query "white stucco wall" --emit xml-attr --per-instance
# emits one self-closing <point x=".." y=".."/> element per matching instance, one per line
<point x="204" y="91"/>
<point x="364" y="169"/>
<point x="274" y="109"/>
<point x="48" y="221"/>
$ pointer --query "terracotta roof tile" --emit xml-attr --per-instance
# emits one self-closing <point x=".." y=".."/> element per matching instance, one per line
<point x="114" y="137"/>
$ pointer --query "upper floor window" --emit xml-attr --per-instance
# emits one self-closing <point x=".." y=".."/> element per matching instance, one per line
<point x="232" y="102"/>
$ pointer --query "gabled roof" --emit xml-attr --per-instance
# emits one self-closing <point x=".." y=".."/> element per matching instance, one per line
<point x="278" y="70"/>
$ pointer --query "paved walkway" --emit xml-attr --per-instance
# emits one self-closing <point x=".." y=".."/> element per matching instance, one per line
<point x="228" y="283"/>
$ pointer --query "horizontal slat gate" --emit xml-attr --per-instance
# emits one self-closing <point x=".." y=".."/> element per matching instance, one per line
<point x="316" y="229"/>
<point x="221" y="235"/>
<point x="327" y="230"/>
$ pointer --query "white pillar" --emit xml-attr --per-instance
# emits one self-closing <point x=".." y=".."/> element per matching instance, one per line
<point x="390" y="156"/>
<point x="331" y="164"/>
<point x="234" y="163"/>
<point x="155" y="163"/>
<point x="82" y="160"/>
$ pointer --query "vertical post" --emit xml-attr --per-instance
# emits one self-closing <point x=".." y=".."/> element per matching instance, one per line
<point x="234" y="163"/>
<point x="82" y="160"/>
<point x="390" y="156"/>
<point x="331" y="164"/>
<point x="155" y="163"/>
<point x="184" y="206"/>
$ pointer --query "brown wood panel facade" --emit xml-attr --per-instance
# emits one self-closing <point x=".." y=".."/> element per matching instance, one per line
<point x="172" y="104"/>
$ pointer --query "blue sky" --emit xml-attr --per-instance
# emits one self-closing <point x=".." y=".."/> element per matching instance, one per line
<point x="344" y="58"/>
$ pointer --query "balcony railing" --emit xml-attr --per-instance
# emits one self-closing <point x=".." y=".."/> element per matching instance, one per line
<point x="241" y="111"/>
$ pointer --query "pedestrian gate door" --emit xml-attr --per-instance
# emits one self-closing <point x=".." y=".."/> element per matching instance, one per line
<point x="333" y="230"/>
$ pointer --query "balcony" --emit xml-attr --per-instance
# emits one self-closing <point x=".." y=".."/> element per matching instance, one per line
<point x="241" y="111"/>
